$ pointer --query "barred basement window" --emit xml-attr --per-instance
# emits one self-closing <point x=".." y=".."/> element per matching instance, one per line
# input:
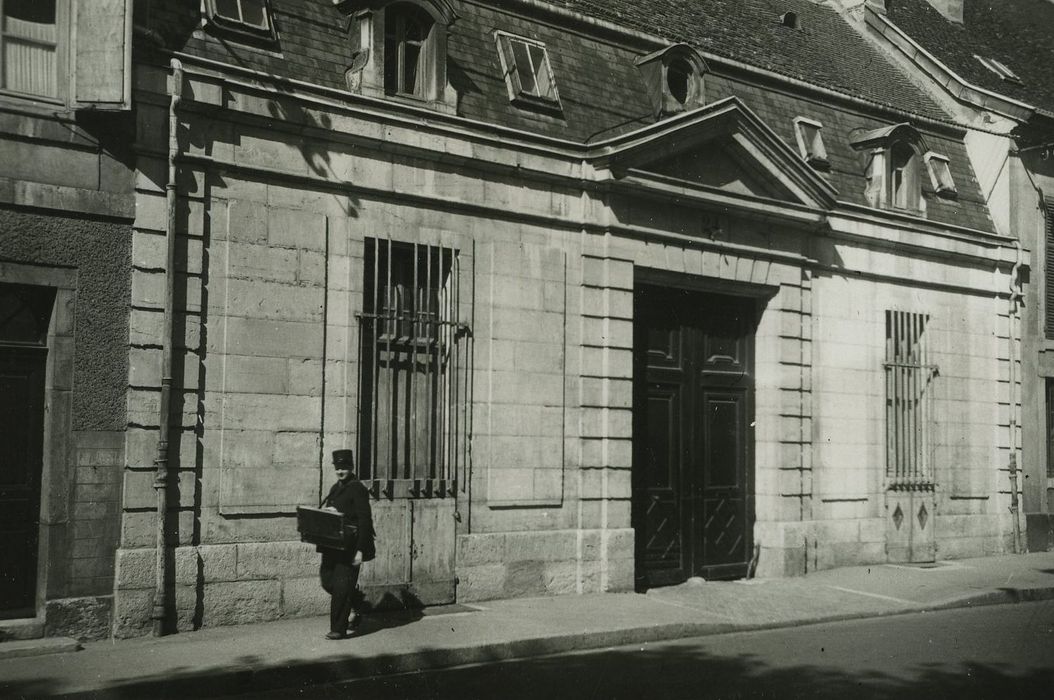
<point x="909" y="376"/>
<point x="413" y="391"/>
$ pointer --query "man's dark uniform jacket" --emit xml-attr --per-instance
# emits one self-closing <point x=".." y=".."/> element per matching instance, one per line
<point x="353" y="500"/>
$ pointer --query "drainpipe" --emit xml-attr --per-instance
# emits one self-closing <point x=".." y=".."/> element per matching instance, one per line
<point x="162" y="476"/>
<point x="1015" y="296"/>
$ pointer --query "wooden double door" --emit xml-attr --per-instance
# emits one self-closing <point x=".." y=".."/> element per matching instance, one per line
<point x="693" y="499"/>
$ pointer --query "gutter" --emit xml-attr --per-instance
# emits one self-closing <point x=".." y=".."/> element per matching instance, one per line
<point x="163" y="474"/>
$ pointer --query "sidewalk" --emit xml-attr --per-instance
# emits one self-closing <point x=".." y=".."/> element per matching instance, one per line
<point x="291" y="653"/>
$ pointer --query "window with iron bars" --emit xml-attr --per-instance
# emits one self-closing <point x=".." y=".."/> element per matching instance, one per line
<point x="413" y="378"/>
<point x="909" y="401"/>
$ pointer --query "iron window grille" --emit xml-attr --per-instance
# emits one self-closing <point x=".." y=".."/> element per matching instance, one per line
<point x="413" y="378"/>
<point x="909" y="401"/>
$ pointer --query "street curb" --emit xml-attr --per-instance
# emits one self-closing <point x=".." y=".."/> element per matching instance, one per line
<point x="22" y="648"/>
<point x="248" y="678"/>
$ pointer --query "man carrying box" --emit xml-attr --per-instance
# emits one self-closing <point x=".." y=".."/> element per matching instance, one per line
<point x="340" y="568"/>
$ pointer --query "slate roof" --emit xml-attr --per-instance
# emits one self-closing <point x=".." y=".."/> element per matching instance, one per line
<point x="825" y="50"/>
<point x="1018" y="33"/>
<point x="601" y="90"/>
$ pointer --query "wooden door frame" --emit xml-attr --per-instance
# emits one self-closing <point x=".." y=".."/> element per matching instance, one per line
<point x="760" y="294"/>
<point x="56" y="479"/>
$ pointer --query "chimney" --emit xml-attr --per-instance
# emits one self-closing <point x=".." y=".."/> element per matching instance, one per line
<point x="951" y="9"/>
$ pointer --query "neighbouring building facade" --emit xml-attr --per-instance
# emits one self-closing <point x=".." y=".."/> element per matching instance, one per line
<point x="66" y="211"/>
<point x="988" y="63"/>
<point x="604" y="296"/>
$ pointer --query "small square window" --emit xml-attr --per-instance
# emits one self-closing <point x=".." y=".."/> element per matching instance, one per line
<point x="999" y="68"/>
<point x="810" y="142"/>
<point x="249" y="17"/>
<point x="941" y="175"/>
<point x="528" y="74"/>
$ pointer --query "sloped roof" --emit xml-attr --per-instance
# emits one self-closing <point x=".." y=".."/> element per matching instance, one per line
<point x="1018" y="33"/>
<point x="825" y="50"/>
<point x="601" y="90"/>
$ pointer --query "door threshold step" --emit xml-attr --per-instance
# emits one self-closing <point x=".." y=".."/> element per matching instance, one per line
<point x="21" y="628"/>
<point x="37" y="647"/>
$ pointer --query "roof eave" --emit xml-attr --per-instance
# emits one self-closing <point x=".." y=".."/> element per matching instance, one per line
<point x="941" y="74"/>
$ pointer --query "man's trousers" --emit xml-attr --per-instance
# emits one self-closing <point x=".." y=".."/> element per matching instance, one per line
<point x="340" y="579"/>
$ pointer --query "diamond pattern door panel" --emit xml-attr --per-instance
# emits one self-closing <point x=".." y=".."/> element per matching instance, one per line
<point x="692" y="505"/>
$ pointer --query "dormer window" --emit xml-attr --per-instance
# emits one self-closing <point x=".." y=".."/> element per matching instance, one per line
<point x="789" y="19"/>
<point x="674" y="79"/>
<point x="999" y="68"/>
<point x="249" y="17"/>
<point x="810" y="142"/>
<point x="407" y="31"/>
<point x="399" y="51"/>
<point x="892" y="161"/>
<point x="903" y="176"/>
<point x="941" y="175"/>
<point x="528" y="75"/>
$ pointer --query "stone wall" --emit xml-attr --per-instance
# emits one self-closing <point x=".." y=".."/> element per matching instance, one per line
<point x="271" y="260"/>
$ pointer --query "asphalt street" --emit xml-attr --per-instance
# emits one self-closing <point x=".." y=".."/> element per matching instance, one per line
<point x="990" y="652"/>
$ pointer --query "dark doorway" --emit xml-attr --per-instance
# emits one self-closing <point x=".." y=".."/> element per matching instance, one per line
<point x="693" y="408"/>
<point x="24" y="315"/>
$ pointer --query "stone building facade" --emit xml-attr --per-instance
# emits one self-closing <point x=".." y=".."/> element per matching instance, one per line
<point x="66" y="211"/>
<point x="600" y="302"/>
<point x="604" y="295"/>
<point x="988" y="65"/>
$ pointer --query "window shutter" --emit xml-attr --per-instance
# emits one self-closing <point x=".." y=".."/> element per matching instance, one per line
<point x="1048" y="269"/>
<point x="102" y="54"/>
<point x="876" y="178"/>
<point x="511" y="70"/>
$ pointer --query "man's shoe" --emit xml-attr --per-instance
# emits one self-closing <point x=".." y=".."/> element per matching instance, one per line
<point x="335" y="635"/>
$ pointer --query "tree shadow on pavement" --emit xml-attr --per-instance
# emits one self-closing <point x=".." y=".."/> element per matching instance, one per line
<point x="687" y="673"/>
<point x="669" y="672"/>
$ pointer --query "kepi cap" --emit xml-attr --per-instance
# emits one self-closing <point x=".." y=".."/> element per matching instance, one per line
<point x="344" y="458"/>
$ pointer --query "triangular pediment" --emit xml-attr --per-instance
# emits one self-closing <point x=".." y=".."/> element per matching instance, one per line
<point x="721" y="164"/>
<point x="722" y="148"/>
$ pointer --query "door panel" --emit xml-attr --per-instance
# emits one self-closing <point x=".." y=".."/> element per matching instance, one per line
<point x="22" y="415"/>
<point x="432" y="551"/>
<point x="693" y="402"/>
<point x="909" y="526"/>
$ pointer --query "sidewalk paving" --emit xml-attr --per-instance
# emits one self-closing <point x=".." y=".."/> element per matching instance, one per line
<point x="293" y="653"/>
